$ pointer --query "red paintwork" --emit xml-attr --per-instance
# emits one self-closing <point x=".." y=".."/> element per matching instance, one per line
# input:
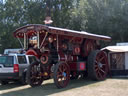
<point x="73" y="66"/>
<point x="44" y="56"/>
<point x="82" y="66"/>
<point x="89" y="45"/>
<point x="74" y="37"/>
<point x="32" y="52"/>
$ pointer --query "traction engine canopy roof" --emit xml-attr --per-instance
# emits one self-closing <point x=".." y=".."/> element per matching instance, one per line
<point x="31" y="30"/>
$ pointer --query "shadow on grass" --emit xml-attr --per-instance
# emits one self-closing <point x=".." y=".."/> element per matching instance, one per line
<point x="47" y="89"/>
<point x="10" y="85"/>
<point x="119" y="77"/>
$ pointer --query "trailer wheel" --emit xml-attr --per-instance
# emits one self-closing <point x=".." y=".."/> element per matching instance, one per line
<point x="61" y="74"/>
<point x="97" y="65"/>
<point x="34" y="77"/>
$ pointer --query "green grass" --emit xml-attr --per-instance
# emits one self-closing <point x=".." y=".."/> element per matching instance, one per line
<point x="108" y="87"/>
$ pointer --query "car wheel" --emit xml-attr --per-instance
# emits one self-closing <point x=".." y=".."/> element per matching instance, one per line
<point x="24" y="79"/>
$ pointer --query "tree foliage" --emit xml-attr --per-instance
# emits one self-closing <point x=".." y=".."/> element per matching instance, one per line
<point x="106" y="17"/>
<point x="16" y="13"/>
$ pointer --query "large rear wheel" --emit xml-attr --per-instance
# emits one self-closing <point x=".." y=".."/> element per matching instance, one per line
<point x="34" y="77"/>
<point x="61" y="74"/>
<point x="97" y="65"/>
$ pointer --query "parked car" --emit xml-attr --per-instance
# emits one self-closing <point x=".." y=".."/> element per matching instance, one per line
<point x="13" y="67"/>
<point x="13" y="51"/>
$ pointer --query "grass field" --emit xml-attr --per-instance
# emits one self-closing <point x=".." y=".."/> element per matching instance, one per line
<point x="81" y="87"/>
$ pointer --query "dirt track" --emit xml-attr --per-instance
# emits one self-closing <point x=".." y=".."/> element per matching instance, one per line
<point x="109" y="87"/>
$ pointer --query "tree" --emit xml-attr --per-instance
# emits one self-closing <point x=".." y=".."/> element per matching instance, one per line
<point x="106" y="17"/>
<point x="16" y="13"/>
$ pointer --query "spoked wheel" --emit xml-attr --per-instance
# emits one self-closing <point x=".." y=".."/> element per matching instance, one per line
<point x="61" y="74"/>
<point x="97" y="65"/>
<point x="34" y="77"/>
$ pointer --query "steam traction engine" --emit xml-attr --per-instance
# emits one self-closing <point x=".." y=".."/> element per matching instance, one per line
<point x="62" y="54"/>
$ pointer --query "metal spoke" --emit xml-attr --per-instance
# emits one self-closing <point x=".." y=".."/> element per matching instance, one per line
<point x="104" y="64"/>
<point x="96" y="62"/>
<point x="96" y="69"/>
<point x="101" y="59"/>
<point x="64" y="69"/>
<point x="65" y="78"/>
<point x="99" y="74"/>
<point x="60" y="69"/>
<point x="102" y="70"/>
<point x="97" y="59"/>
<point x="59" y="76"/>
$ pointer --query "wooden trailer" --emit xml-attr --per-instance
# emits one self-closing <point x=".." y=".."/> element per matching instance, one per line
<point x="63" y="54"/>
<point x="118" y="60"/>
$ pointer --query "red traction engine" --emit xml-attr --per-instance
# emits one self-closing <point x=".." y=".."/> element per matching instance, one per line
<point x="63" y="54"/>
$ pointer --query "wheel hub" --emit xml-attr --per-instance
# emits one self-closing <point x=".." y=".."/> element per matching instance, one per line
<point x="64" y="74"/>
<point x="43" y="58"/>
<point x="100" y="65"/>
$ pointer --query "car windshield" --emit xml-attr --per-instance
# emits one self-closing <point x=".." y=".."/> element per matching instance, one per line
<point x="7" y="61"/>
